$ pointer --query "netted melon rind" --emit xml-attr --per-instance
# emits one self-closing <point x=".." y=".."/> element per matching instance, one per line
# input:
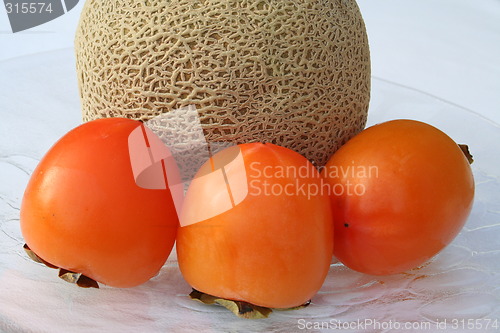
<point x="294" y="73"/>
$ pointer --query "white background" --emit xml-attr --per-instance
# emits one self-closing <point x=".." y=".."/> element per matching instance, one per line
<point x="447" y="48"/>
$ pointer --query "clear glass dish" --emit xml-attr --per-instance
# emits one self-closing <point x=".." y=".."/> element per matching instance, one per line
<point x="39" y="103"/>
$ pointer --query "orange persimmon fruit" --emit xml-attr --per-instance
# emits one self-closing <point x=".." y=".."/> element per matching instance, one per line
<point x="400" y="191"/>
<point x="83" y="211"/>
<point x="270" y="244"/>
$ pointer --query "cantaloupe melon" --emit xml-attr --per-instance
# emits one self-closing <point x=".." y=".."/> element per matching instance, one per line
<point x="291" y="72"/>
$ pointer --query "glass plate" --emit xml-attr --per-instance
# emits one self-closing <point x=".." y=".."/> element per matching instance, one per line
<point x="39" y="103"/>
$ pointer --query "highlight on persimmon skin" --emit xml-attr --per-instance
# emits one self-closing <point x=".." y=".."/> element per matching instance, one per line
<point x="272" y="250"/>
<point x="415" y="190"/>
<point x="83" y="211"/>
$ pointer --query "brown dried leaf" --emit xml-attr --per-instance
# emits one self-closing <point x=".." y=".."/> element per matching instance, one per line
<point x="71" y="277"/>
<point x="244" y="309"/>
<point x="86" y="282"/>
<point x="77" y="278"/>
<point x="239" y="308"/>
<point x="305" y="305"/>
<point x="202" y="297"/>
<point x="468" y="155"/>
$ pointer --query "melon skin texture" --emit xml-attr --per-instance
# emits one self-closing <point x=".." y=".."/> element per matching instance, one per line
<point x="293" y="73"/>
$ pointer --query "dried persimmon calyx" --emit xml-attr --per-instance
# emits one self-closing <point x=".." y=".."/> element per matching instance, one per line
<point x="239" y="308"/>
<point x="465" y="150"/>
<point x="77" y="278"/>
<point x="33" y="256"/>
<point x="72" y="277"/>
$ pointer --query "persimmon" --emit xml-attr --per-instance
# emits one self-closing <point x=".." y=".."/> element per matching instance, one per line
<point x="82" y="210"/>
<point x="269" y="239"/>
<point x="400" y="192"/>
